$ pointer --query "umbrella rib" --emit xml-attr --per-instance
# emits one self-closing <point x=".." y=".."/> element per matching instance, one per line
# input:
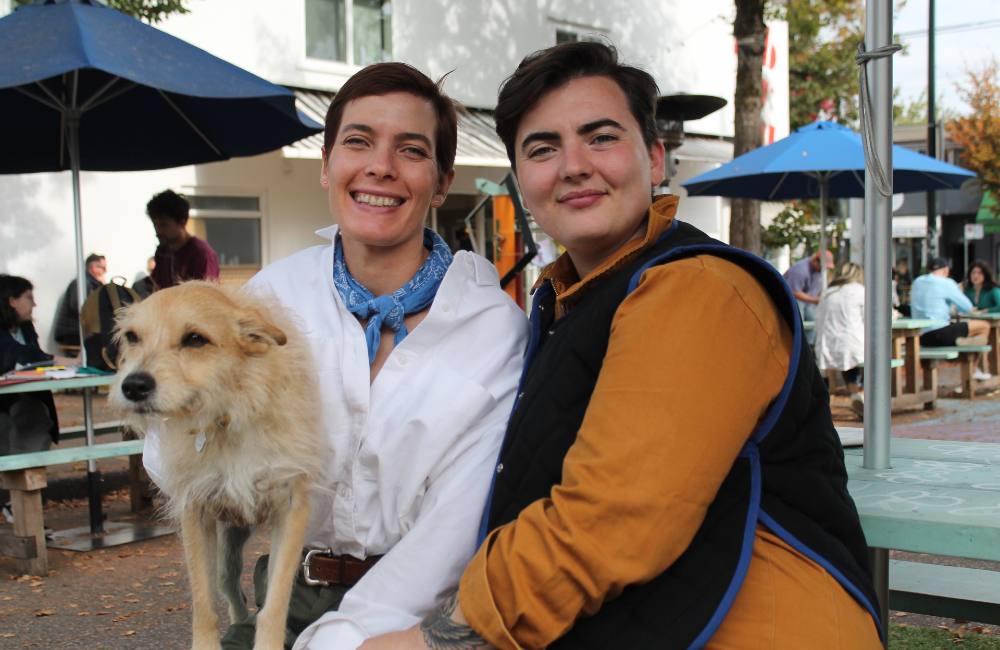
<point x="54" y="104"/>
<point x="99" y="97"/>
<point x="189" y="122"/>
<point x="777" y="186"/>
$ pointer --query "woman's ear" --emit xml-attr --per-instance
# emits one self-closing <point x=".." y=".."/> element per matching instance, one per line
<point x="324" y="178"/>
<point x="444" y="184"/>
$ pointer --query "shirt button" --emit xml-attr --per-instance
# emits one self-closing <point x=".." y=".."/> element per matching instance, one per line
<point x="499" y="468"/>
<point x="344" y="490"/>
<point x="446" y="308"/>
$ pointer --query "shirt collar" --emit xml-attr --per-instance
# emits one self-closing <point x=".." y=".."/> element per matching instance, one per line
<point x="568" y="284"/>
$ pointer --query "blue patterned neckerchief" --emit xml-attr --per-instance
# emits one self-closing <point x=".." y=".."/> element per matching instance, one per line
<point x="389" y="310"/>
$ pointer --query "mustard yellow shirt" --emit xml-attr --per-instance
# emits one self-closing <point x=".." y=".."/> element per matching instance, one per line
<point x="697" y="353"/>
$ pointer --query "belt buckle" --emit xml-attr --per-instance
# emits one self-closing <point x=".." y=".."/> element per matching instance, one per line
<point x="306" y="563"/>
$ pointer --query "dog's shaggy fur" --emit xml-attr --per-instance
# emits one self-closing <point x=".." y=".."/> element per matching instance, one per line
<point x="228" y="386"/>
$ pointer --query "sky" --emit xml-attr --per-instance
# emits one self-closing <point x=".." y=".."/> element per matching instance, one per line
<point x="968" y="34"/>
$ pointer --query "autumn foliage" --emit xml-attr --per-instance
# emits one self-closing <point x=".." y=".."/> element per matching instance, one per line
<point x="979" y="132"/>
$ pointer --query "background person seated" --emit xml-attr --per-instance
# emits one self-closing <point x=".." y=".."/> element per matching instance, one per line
<point x="67" y="325"/>
<point x="28" y="421"/>
<point x="933" y="296"/>
<point x="840" y="330"/>
<point x="981" y="289"/>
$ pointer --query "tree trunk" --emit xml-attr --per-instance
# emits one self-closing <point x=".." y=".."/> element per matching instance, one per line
<point x="744" y="226"/>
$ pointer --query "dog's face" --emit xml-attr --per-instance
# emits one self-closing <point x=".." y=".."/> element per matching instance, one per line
<point x="185" y="348"/>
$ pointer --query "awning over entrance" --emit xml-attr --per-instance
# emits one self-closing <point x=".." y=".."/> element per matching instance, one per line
<point x="478" y="144"/>
<point x="986" y="216"/>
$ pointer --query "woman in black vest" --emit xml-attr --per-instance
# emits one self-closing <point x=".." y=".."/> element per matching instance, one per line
<point x="670" y="475"/>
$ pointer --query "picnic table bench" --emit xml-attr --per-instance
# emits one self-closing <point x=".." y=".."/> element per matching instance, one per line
<point x="967" y="356"/>
<point x="992" y="339"/>
<point x="939" y="497"/>
<point x="25" y="476"/>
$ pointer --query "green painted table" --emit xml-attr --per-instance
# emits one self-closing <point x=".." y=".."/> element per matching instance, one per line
<point x="56" y="385"/>
<point x="940" y="497"/>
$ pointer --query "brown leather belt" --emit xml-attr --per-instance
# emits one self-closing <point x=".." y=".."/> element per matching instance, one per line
<point x="323" y="568"/>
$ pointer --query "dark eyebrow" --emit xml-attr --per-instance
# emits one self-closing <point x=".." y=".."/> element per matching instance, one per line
<point x="596" y="124"/>
<point x="403" y="137"/>
<point x="539" y="136"/>
<point x="552" y="136"/>
<point x="364" y="128"/>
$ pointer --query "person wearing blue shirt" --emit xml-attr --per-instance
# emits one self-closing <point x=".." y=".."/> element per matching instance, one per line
<point x="932" y="296"/>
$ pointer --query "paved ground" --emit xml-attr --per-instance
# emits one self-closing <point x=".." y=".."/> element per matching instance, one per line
<point x="135" y="596"/>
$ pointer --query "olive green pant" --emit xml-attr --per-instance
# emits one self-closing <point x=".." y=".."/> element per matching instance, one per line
<point x="306" y="606"/>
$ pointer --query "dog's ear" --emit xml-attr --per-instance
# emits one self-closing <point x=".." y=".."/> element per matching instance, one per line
<point x="258" y="334"/>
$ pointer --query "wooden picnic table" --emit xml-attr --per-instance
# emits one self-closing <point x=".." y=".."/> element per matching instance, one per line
<point x="909" y="387"/>
<point x="992" y="339"/>
<point x="88" y="384"/>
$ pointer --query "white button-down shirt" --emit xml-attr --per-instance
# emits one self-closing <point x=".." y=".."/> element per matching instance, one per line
<point x="413" y="451"/>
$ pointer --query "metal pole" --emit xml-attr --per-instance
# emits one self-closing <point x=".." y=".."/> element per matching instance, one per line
<point x="93" y="476"/>
<point x="823" y="190"/>
<point x="878" y="281"/>
<point x="932" y="233"/>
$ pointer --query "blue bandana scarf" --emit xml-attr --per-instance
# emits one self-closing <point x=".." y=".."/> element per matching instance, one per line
<point x="389" y="311"/>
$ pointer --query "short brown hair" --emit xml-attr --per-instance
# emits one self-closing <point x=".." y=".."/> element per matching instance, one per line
<point x="394" y="77"/>
<point x="169" y="204"/>
<point x="546" y="70"/>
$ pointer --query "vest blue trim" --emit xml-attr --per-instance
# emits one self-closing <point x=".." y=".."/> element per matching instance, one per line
<point x="746" y="552"/>
<point x="794" y="542"/>
<point x="773" y="413"/>
<point x="534" y="336"/>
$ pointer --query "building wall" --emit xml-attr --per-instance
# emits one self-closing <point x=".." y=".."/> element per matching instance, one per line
<point x="686" y="46"/>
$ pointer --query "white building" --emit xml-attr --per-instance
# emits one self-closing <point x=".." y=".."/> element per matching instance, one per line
<point x="259" y="209"/>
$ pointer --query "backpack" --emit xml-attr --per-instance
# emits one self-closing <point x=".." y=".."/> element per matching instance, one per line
<point x="98" y="320"/>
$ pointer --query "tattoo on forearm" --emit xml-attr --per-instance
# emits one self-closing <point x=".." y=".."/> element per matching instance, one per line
<point x="442" y="633"/>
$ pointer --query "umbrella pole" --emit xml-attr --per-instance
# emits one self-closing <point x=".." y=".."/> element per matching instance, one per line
<point x="878" y="225"/>
<point x="823" y="244"/>
<point x="93" y="476"/>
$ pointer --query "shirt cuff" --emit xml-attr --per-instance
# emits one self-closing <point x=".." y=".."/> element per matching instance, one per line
<point x="476" y="600"/>
<point x="331" y="632"/>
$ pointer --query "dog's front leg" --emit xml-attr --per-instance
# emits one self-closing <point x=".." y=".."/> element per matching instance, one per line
<point x="232" y="539"/>
<point x="198" y="535"/>
<point x="288" y="534"/>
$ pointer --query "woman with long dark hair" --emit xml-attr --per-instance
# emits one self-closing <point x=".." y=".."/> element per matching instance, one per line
<point x="981" y="288"/>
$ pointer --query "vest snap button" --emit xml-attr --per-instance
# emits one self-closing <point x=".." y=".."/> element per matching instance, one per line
<point x="499" y="468"/>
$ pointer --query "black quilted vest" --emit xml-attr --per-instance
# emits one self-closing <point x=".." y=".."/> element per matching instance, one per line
<point x="789" y="477"/>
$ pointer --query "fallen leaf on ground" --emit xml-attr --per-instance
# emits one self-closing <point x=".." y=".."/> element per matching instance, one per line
<point x="45" y="612"/>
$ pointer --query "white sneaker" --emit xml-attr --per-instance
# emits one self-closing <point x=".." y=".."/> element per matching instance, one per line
<point x="981" y="375"/>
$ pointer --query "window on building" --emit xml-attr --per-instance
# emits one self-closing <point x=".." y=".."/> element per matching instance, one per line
<point x="572" y="32"/>
<point x="357" y="32"/>
<point x="232" y="226"/>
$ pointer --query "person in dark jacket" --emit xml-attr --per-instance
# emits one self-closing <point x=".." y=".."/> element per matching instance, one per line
<point x="649" y="493"/>
<point x="67" y="326"/>
<point x="28" y="421"/>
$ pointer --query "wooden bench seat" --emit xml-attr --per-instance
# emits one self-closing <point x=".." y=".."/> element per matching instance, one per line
<point x="968" y="355"/>
<point x="24" y="475"/>
<point x="949" y="591"/>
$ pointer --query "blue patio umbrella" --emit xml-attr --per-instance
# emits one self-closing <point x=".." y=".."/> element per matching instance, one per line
<point x="83" y="86"/>
<point x="818" y="155"/>
<point x="820" y="160"/>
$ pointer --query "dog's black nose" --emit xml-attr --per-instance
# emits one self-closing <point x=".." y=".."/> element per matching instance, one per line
<point x="138" y="386"/>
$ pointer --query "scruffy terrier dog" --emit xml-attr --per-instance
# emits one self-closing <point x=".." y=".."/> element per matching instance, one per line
<point x="226" y="385"/>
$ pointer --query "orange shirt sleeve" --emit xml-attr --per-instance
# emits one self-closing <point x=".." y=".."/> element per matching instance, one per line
<point x="697" y="353"/>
